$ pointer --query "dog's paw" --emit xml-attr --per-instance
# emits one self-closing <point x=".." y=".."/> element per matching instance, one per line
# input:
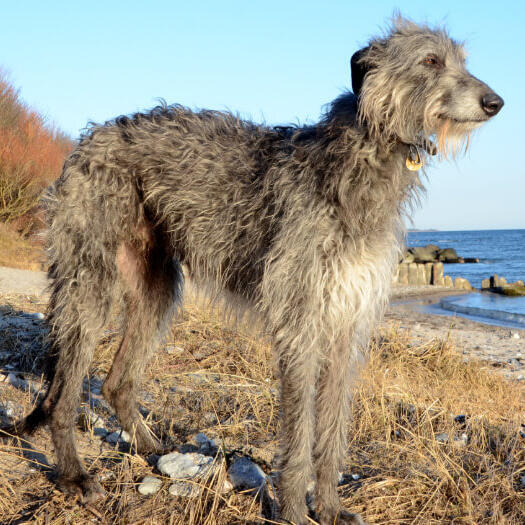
<point x="87" y="488"/>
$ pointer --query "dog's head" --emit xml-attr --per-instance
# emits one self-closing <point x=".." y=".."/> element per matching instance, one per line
<point x="413" y="85"/>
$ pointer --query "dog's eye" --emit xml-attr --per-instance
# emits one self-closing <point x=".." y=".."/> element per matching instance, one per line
<point x="432" y="61"/>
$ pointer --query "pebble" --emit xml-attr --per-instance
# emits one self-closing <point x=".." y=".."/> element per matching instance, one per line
<point x="116" y="437"/>
<point x="185" y="490"/>
<point x="245" y="474"/>
<point x="16" y="381"/>
<point x="173" y="350"/>
<point x="88" y="420"/>
<point x="461" y="419"/>
<point x="182" y="466"/>
<point x="149" y="485"/>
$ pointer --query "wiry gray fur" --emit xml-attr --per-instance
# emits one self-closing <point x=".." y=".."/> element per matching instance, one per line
<point x="303" y="223"/>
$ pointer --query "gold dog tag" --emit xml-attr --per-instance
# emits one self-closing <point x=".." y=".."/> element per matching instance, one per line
<point x="414" y="161"/>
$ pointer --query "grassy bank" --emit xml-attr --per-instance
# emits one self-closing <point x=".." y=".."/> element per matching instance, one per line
<point x="400" y="467"/>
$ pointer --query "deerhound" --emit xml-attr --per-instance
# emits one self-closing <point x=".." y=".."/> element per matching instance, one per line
<point x="304" y="223"/>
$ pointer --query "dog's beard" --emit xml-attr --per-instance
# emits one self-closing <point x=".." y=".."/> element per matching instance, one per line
<point x="453" y="138"/>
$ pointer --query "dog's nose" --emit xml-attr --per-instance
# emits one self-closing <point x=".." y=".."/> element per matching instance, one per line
<point x="491" y="103"/>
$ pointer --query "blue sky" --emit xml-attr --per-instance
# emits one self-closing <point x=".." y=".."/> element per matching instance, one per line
<point x="273" y="61"/>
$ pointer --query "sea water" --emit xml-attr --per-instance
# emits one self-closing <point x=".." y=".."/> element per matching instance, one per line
<point x="499" y="251"/>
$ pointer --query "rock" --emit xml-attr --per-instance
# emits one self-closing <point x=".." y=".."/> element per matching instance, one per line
<point x="462" y="284"/>
<point x="421" y="277"/>
<point x="412" y="274"/>
<point x="448" y="282"/>
<point x="485" y="284"/>
<point x="173" y="350"/>
<point x="442" y="438"/>
<point x="494" y="281"/>
<point x="118" y="437"/>
<point x="183" y="466"/>
<point x="519" y="282"/>
<point x="461" y="419"/>
<point x="149" y="485"/>
<point x="471" y="260"/>
<point x="205" y="444"/>
<point x="87" y="420"/>
<point x="245" y="474"/>
<point x="428" y="273"/>
<point x="512" y="290"/>
<point x="522" y="481"/>
<point x="437" y="274"/>
<point x="16" y="381"/>
<point x="185" y="490"/>
<point x="447" y="255"/>
<point x="515" y="335"/>
<point x="423" y="254"/>
<point x="408" y="258"/>
<point x="226" y="486"/>
<point x="461" y="441"/>
<point x="402" y="276"/>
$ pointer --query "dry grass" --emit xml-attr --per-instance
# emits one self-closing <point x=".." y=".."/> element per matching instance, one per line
<point x="18" y="251"/>
<point x="221" y="382"/>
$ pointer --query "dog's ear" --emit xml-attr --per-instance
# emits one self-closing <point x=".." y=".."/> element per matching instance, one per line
<point x="359" y="69"/>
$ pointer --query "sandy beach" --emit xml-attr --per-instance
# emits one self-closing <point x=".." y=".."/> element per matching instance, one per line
<point x="503" y="349"/>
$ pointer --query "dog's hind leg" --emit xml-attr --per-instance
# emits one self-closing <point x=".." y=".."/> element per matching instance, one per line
<point x="153" y="283"/>
<point x="79" y="308"/>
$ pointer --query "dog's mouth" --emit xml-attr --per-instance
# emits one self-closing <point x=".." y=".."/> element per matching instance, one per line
<point x="473" y="121"/>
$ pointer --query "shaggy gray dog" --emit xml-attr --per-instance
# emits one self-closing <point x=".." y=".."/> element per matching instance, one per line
<point x="305" y="224"/>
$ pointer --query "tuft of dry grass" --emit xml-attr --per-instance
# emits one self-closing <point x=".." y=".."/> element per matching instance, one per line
<point x="214" y="379"/>
<point x="18" y="251"/>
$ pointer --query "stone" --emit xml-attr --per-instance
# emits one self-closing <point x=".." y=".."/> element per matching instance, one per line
<point x="485" y="284"/>
<point x="447" y="255"/>
<point x="245" y="474"/>
<point x="437" y="274"/>
<point x="471" y="260"/>
<point x="519" y="282"/>
<point x="412" y="274"/>
<point x="402" y="277"/>
<point x="173" y="350"/>
<point x="462" y="284"/>
<point x="442" y="438"/>
<point x="408" y="258"/>
<point x="118" y="437"/>
<point x="423" y="254"/>
<point x="227" y="486"/>
<point x="183" y="466"/>
<point x="494" y="281"/>
<point x="149" y="485"/>
<point x="460" y="441"/>
<point x="185" y="490"/>
<point x="448" y="282"/>
<point x="421" y="278"/>
<point x="87" y="419"/>
<point x="428" y="273"/>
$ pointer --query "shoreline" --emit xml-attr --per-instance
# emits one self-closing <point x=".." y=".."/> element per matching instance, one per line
<point x="501" y="348"/>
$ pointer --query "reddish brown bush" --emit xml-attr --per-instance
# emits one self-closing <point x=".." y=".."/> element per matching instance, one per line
<point x="31" y="156"/>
